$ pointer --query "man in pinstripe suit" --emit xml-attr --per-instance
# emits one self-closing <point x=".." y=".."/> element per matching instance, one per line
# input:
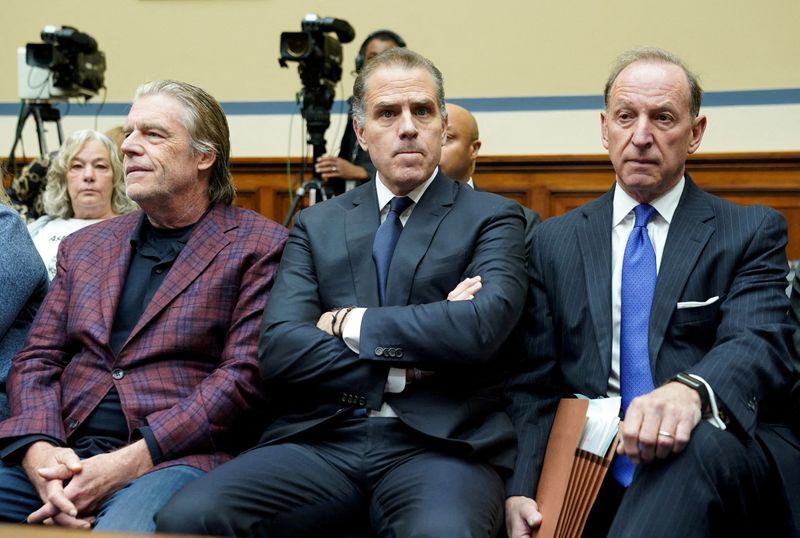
<point x="708" y="435"/>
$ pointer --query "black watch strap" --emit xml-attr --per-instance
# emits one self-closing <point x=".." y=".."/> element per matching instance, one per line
<point x="697" y="385"/>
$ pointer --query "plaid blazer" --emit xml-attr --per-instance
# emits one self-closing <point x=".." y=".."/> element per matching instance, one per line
<point x="188" y="369"/>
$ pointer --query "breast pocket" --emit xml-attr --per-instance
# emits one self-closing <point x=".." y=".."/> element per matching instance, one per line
<point x="701" y="314"/>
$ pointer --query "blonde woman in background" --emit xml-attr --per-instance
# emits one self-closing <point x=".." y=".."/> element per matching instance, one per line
<point x="84" y="185"/>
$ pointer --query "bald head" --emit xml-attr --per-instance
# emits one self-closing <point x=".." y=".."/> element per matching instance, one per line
<point x="460" y="150"/>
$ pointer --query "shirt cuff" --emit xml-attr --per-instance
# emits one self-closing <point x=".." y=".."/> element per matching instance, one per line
<point x="396" y="382"/>
<point x="715" y="416"/>
<point x="152" y="445"/>
<point x="352" y="330"/>
<point x="14" y="450"/>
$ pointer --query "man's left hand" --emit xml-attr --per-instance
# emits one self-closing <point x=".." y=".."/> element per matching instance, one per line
<point x="98" y="479"/>
<point x="660" y="423"/>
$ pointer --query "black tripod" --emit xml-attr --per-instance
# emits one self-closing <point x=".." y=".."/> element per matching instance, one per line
<point x="41" y="111"/>
<point x="316" y="110"/>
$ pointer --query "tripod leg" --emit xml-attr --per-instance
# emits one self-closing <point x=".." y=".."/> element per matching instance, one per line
<point x="37" y="115"/>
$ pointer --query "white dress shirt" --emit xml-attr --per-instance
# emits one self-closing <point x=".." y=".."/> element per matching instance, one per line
<point x="622" y="223"/>
<point x="396" y="381"/>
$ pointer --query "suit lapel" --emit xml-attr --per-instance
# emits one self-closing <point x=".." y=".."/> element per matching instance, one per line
<point x="360" y="225"/>
<point x="691" y="227"/>
<point x="594" y="241"/>
<point x="416" y="238"/>
<point x="205" y="242"/>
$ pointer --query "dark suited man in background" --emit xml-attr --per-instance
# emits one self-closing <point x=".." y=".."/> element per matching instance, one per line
<point x="141" y="363"/>
<point x="353" y="165"/>
<point x="675" y="300"/>
<point x="390" y="412"/>
<point x="460" y="153"/>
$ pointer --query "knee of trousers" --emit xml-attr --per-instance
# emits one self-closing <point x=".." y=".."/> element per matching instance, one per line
<point x="718" y="458"/>
<point x="192" y="513"/>
<point x="455" y="524"/>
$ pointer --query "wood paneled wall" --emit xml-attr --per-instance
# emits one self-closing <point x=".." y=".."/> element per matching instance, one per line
<point x="552" y="185"/>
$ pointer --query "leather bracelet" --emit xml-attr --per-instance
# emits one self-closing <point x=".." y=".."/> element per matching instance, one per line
<point x="417" y="374"/>
<point x="333" y="321"/>
<point x="344" y="318"/>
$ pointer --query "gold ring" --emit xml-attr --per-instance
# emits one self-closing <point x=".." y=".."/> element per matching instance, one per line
<point x="666" y="434"/>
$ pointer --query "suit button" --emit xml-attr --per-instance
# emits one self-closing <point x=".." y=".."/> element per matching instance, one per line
<point x="379" y="351"/>
<point x="73" y="424"/>
<point x="362" y="401"/>
<point x="399" y="352"/>
<point x="118" y="374"/>
<point x="751" y="404"/>
<point x="343" y="398"/>
<point x="391" y="352"/>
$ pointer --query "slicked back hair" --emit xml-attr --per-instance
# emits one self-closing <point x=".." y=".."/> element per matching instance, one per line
<point x="208" y="130"/>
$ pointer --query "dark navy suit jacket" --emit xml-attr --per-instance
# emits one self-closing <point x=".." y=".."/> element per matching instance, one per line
<point x="453" y="232"/>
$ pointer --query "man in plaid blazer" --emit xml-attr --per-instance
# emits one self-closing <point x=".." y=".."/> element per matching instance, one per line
<point x="140" y="369"/>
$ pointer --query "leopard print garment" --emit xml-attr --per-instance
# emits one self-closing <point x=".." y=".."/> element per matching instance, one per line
<point x="27" y="189"/>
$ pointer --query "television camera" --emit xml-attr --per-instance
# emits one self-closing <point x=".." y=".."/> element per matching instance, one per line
<point x="319" y="55"/>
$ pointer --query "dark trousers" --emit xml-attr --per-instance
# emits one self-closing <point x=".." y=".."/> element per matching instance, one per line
<point x="373" y="473"/>
<point x="720" y="485"/>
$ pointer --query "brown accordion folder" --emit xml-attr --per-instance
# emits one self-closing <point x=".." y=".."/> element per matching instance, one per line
<point x="571" y="476"/>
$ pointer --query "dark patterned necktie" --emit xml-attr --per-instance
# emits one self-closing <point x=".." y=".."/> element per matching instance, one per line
<point x="638" y="285"/>
<point x="385" y="240"/>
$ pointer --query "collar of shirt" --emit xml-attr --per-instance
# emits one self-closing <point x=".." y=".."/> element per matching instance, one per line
<point x="471" y="183"/>
<point x="385" y="196"/>
<point x="665" y="205"/>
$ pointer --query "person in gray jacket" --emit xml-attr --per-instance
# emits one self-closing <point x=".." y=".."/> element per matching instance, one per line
<point x="23" y="285"/>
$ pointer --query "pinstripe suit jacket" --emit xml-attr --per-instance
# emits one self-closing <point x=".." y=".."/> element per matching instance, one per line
<point x="188" y="368"/>
<point x="740" y="344"/>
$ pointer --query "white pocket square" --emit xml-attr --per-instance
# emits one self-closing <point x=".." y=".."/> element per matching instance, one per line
<point x="697" y="304"/>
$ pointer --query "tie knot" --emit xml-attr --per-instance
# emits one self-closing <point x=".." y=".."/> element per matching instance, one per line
<point x="398" y="204"/>
<point x="643" y="214"/>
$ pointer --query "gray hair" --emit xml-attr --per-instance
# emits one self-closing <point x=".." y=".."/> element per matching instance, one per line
<point x="208" y="130"/>
<point x="56" y="198"/>
<point x="653" y="54"/>
<point x="405" y="58"/>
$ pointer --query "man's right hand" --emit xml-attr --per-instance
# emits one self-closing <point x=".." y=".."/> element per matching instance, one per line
<point x="522" y="517"/>
<point x="41" y="455"/>
<point x="466" y="289"/>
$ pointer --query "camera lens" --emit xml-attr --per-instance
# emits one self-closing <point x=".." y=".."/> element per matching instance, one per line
<point x="297" y="45"/>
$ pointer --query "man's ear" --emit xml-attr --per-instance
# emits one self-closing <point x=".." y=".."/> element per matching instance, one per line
<point x="474" y="148"/>
<point x="206" y="160"/>
<point x="360" y="135"/>
<point x="604" y="129"/>
<point x="698" y="129"/>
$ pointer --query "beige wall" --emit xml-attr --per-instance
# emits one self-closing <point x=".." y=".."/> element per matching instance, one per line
<point x="485" y="49"/>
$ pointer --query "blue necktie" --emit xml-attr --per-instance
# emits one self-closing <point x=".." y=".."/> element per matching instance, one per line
<point x="385" y="240"/>
<point x="638" y="285"/>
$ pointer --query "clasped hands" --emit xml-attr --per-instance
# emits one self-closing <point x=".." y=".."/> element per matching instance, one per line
<point x="656" y="425"/>
<point x="73" y="489"/>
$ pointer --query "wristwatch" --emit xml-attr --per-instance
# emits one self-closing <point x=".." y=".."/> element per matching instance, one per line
<point x="691" y="382"/>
